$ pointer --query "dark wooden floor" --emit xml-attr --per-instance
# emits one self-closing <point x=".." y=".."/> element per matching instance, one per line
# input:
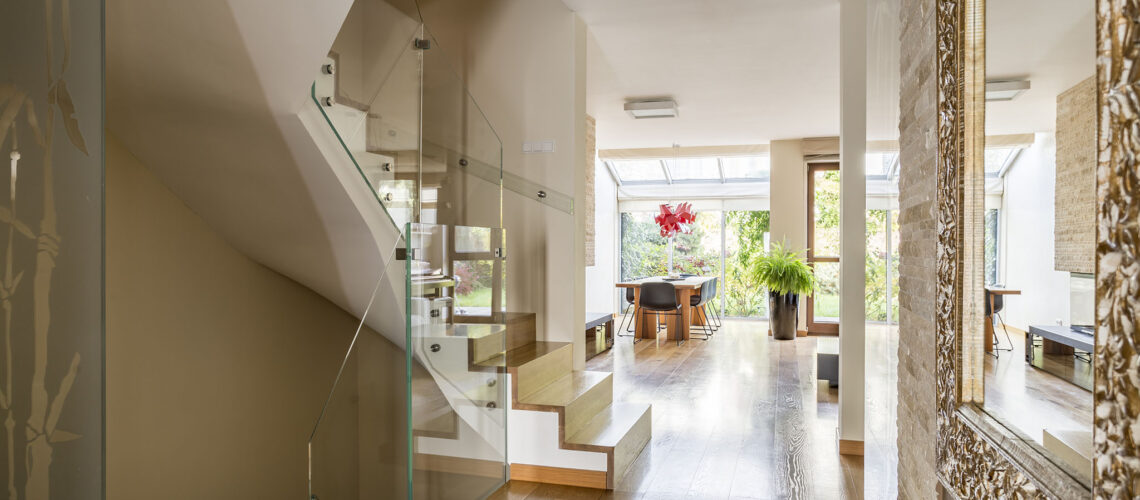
<point x="739" y="417"/>
<point x="1031" y="399"/>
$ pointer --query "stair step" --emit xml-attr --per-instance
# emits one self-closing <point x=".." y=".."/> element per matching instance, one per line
<point x="535" y="365"/>
<point x="580" y="395"/>
<point x="622" y="429"/>
<point x="522" y="329"/>
<point x="486" y="340"/>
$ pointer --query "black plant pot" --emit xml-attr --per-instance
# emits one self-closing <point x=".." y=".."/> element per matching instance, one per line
<point x="783" y="315"/>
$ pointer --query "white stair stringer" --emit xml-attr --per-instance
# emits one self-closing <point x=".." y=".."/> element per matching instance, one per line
<point x="533" y="440"/>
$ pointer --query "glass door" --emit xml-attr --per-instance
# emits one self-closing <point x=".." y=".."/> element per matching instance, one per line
<point x="823" y="248"/>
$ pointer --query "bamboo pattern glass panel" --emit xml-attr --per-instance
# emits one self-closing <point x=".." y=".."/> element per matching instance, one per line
<point x="51" y="279"/>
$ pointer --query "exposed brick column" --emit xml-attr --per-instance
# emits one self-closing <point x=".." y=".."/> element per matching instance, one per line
<point x="917" y="406"/>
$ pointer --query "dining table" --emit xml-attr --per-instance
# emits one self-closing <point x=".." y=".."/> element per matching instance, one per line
<point x="645" y="322"/>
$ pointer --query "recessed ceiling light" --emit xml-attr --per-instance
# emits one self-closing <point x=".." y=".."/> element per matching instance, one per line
<point x="659" y="108"/>
<point x="1005" y="90"/>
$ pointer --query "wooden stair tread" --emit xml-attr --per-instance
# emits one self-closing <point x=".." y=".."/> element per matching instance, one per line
<point x="475" y="330"/>
<point x="610" y="425"/>
<point x="519" y="356"/>
<point x="567" y="389"/>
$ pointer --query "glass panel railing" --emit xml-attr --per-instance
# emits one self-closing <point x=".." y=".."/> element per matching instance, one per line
<point x="426" y="150"/>
<point x="357" y="448"/>
<point x="369" y="91"/>
<point x="457" y="384"/>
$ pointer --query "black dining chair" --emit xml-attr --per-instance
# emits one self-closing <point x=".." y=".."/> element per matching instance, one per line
<point x="998" y="302"/>
<point x="712" y="297"/>
<point x="630" y="299"/>
<point x="661" y="298"/>
<point x="699" y="302"/>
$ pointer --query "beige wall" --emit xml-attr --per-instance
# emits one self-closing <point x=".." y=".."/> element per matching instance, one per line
<point x="789" y="199"/>
<point x="217" y="367"/>
<point x="524" y="63"/>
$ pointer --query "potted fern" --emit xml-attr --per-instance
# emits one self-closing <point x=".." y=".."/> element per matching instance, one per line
<point x="786" y="276"/>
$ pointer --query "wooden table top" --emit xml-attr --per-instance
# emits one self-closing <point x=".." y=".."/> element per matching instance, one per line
<point x="1003" y="291"/>
<point x="693" y="282"/>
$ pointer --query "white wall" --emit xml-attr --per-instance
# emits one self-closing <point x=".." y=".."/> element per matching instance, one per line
<point x="1027" y="237"/>
<point x="600" y="278"/>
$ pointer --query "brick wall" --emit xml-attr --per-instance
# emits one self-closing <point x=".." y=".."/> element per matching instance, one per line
<point x="917" y="423"/>
<point x="1075" y="190"/>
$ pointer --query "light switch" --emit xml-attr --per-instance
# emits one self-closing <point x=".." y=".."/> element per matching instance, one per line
<point x="538" y="147"/>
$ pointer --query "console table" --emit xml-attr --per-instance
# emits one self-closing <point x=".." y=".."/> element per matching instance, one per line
<point x="594" y="344"/>
<point x="1073" y="337"/>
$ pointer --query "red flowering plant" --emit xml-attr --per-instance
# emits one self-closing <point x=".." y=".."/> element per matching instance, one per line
<point x="676" y="221"/>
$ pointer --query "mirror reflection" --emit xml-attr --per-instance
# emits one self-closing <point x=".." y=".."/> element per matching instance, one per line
<point x="1039" y="225"/>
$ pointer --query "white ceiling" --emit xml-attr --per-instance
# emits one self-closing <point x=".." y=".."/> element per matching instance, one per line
<point x="742" y="71"/>
<point x="749" y="71"/>
<point x="1050" y="42"/>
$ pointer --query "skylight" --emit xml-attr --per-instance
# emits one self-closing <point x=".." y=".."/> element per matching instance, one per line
<point x="879" y="164"/>
<point x="997" y="159"/>
<point x="746" y="167"/>
<point x="693" y="169"/>
<point x="638" y="170"/>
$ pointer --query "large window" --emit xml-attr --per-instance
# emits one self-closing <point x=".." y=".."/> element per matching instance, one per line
<point x="991" y="246"/>
<point x="746" y="235"/>
<point x="882" y="267"/>
<point x="645" y="253"/>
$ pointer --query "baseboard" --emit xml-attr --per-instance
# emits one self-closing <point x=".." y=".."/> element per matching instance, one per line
<point x="848" y="447"/>
<point x="557" y="475"/>
<point x="456" y="465"/>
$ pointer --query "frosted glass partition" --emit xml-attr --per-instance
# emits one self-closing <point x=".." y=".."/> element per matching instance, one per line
<point x="51" y="239"/>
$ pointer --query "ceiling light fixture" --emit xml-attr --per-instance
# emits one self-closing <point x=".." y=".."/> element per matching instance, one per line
<point x="658" y="108"/>
<point x="1005" y="90"/>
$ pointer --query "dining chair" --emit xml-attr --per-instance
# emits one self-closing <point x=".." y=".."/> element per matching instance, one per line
<point x="998" y="304"/>
<point x="661" y="298"/>
<point x="712" y="297"/>
<point x="630" y="299"/>
<point x="699" y="302"/>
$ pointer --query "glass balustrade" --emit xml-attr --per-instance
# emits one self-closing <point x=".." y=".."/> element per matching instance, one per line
<point x="457" y="335"/>
<point x="422" y="145"/>
<point x="357" y="448"/>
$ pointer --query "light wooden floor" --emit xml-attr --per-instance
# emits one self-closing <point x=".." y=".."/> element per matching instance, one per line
<point x="1031" y="399"/>
<point x="738" y="417"/>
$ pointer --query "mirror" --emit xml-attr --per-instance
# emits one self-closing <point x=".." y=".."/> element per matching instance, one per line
<point x="1038" y="224"/>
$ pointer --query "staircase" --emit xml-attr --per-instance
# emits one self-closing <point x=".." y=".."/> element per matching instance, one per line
<point x="592" y="439"/>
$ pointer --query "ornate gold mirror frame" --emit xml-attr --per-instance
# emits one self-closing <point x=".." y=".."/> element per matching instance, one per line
<point x="977" y="456"/>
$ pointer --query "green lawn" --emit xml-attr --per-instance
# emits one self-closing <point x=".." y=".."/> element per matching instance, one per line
<point x="826" y="306"/>
<point x="480" y="297"/>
